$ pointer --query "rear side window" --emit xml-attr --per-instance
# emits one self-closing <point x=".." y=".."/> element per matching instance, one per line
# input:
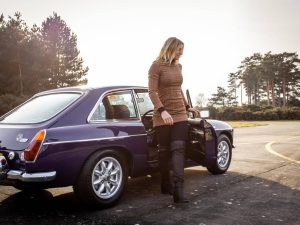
<point x="40" y="108"/>
<point x="116" y="105"/>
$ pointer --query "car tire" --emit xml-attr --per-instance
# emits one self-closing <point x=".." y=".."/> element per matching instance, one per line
<point x="102" y="180"/>
<point x="224" y="153"/>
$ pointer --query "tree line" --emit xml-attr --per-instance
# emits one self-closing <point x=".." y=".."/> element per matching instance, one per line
<point x="33" y="59"/>
<point x="37" y="58"/>
<point x="265" y="80"/>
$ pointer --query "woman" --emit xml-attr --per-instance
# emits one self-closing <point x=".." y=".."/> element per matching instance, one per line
<point x="170" y="115"/>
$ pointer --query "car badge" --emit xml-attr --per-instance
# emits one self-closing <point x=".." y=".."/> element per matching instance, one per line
<point x="20" y="138"/>
<point x="11" y="155"/>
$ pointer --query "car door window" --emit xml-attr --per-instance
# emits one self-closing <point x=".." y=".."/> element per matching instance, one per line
<point x="115" y="105"/>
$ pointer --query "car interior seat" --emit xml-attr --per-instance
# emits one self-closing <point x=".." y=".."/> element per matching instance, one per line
<point x="121" y="112"/>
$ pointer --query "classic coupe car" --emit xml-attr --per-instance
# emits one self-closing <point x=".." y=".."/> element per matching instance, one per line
<point x="94" y="138"/>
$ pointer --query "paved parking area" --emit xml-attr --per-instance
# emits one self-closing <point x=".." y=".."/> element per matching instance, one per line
<point x="261" y="187"/>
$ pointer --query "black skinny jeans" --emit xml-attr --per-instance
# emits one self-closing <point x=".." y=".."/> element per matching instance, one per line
<point x="171" y="141"/>
<point x="169" y="133"/>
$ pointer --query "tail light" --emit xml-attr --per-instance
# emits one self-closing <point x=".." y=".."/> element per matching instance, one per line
<point x="34" y="146"/>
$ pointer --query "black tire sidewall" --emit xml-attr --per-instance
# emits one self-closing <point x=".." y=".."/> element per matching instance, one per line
<point x="84" y="186"/>
<point x="225" y="138"/>
<point x="216" y="169"/>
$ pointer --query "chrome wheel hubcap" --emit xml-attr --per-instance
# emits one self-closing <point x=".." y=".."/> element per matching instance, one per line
<point x="223" y="154"/>
<point x="107" y="177"/>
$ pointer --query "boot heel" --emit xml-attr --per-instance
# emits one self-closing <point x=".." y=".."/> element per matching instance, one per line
<point x="178" y="195"/>
<point x="184" y="200"/>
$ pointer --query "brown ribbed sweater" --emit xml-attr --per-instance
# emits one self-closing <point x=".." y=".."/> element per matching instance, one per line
<point x="164" y="83"/>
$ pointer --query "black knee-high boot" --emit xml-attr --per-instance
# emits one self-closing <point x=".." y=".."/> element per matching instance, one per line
<point x="177" y="150"/>
<point x="164" y="157"/>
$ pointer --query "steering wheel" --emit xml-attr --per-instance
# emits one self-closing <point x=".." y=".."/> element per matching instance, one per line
<point x="148" y="122"/>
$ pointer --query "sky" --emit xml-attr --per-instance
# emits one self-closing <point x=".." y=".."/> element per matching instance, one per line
<point x="119" y="39"/>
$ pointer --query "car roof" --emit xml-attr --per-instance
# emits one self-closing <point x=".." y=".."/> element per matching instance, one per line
<point x="85" y="88"/>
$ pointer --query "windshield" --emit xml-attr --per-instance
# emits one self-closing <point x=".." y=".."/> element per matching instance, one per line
<point x="40" y="108"/>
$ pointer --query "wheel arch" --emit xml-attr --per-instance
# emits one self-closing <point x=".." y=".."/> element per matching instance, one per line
<point x="216" y="169"/>
<point x="125" y="152"/>
<point x="227" y="134"/>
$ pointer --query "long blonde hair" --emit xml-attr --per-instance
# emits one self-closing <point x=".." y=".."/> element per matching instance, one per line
<point x="168" y="51"/>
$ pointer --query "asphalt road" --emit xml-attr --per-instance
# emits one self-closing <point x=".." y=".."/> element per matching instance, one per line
<point x="261" y="187"/>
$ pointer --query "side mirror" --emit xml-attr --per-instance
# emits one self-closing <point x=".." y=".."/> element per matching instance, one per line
<point x="204" y="114"/>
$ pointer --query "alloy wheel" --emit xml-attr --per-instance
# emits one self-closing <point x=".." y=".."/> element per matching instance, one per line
<point x="223" y="154"/>
<point x="107" y="177"/>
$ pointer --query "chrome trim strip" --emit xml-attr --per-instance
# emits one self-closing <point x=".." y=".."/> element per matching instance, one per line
<point x="136" y="103"/>
<point x="31" y="177"/>
<point x="95" y="139"/>
<point x="55" y="92"/>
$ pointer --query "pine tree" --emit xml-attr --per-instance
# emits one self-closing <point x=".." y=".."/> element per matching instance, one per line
<point x="219" y="98"/>
<point x="14" y="37"/>
<point x="65" y="67"/>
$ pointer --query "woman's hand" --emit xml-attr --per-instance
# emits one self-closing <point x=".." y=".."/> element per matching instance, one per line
<point x="195" y="112"/>
<point x="167" y="118"/>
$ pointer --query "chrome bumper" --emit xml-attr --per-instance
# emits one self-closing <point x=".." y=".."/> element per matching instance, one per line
<point x="31" y="177"/>
<point x="5" y="173"/>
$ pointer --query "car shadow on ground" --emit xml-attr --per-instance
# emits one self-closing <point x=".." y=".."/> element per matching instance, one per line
<point x="211" y="197"/>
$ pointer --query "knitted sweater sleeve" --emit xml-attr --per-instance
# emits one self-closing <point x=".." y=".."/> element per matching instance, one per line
<point x="153" y="84"/>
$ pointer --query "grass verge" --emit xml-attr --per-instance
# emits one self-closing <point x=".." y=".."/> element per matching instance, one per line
<point x="238" y="124"/>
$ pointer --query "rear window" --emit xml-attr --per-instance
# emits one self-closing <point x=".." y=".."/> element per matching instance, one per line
<point x="40" y="108"/>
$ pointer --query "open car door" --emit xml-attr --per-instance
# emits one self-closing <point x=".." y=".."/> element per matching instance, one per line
<point x="203" y="141"/>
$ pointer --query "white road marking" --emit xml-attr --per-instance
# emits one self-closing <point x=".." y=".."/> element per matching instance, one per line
<point x="268" y="146"/>
<point x="293" y="137"/>
<point x="250" y="143"/>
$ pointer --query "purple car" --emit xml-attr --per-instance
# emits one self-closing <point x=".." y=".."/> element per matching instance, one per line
<point x="95" y="138"/>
